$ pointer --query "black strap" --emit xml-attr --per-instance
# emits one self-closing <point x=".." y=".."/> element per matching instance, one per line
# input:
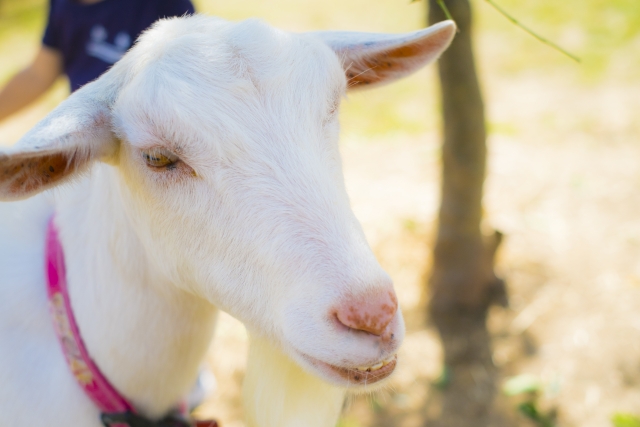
<point x="134" y="420"/>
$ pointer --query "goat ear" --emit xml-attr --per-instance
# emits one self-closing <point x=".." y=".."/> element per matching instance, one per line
<point x="376" y="59"/>
<point x="59" y="146"/>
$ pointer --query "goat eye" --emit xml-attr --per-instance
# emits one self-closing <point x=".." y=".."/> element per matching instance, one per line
<point x="159" y="158"/>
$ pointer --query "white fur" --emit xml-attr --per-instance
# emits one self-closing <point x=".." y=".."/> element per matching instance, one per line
<point x="253" y="220"/>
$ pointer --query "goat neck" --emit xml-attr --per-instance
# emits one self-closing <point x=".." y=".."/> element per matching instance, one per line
<point x="147" y="336"/>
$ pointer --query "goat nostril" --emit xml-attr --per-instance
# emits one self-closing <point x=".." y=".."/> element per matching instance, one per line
<point x="352" y="325"/>
<point x="371" y="314"/>
<point x="340" y="324"/>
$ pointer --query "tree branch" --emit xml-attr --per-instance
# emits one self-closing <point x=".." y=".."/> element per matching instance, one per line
<point x="530" y="31"/>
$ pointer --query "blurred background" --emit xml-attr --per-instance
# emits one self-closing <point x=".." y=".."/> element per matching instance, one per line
<point x="562" y="185"/>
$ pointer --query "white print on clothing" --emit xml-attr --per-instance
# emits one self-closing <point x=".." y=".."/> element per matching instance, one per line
<point x="99" y="48"/>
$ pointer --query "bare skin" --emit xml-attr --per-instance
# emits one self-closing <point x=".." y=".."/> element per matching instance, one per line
<point x="32" y="82"/>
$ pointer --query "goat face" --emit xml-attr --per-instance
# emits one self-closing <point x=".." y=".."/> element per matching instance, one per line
<point x="224" y="139"/>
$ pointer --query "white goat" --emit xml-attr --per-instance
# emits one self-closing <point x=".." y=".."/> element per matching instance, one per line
<point x="213" y="182"/>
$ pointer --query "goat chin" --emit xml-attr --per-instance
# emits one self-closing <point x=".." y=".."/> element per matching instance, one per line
<point x="277" y="392"/>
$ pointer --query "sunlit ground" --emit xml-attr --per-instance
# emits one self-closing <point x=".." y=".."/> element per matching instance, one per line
<point x="563" y="185"/>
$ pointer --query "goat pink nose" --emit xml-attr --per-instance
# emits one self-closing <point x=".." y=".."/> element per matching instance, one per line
<point x="369" y="312"/>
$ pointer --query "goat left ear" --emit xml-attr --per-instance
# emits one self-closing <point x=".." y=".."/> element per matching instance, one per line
<point x="375" y="59"/>
<point x="59" y="146"/>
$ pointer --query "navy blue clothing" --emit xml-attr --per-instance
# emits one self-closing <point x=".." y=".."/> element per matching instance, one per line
<point x="91" y="37"/>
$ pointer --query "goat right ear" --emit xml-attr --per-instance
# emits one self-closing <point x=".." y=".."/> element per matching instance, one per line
<point x="58" y="147"/>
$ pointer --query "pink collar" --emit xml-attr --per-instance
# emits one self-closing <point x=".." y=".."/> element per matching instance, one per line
<point x="87" y="374"/>
<point x="116" y="410"/>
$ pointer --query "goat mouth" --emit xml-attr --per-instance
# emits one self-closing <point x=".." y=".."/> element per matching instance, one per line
<point x="361" y="375"/>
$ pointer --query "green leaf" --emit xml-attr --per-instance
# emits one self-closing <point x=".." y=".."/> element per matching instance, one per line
<point x="520" y="384"/>
<point x="443" y="381"/>
<point x="529" y="410"/>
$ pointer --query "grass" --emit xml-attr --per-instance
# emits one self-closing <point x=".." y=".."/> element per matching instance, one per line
<point x="21" y="24"/>
<point x="625" y="420"/>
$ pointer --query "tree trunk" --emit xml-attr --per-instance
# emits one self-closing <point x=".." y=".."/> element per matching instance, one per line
<point x="463" y="283"/>
<point x="462" y="279"/>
